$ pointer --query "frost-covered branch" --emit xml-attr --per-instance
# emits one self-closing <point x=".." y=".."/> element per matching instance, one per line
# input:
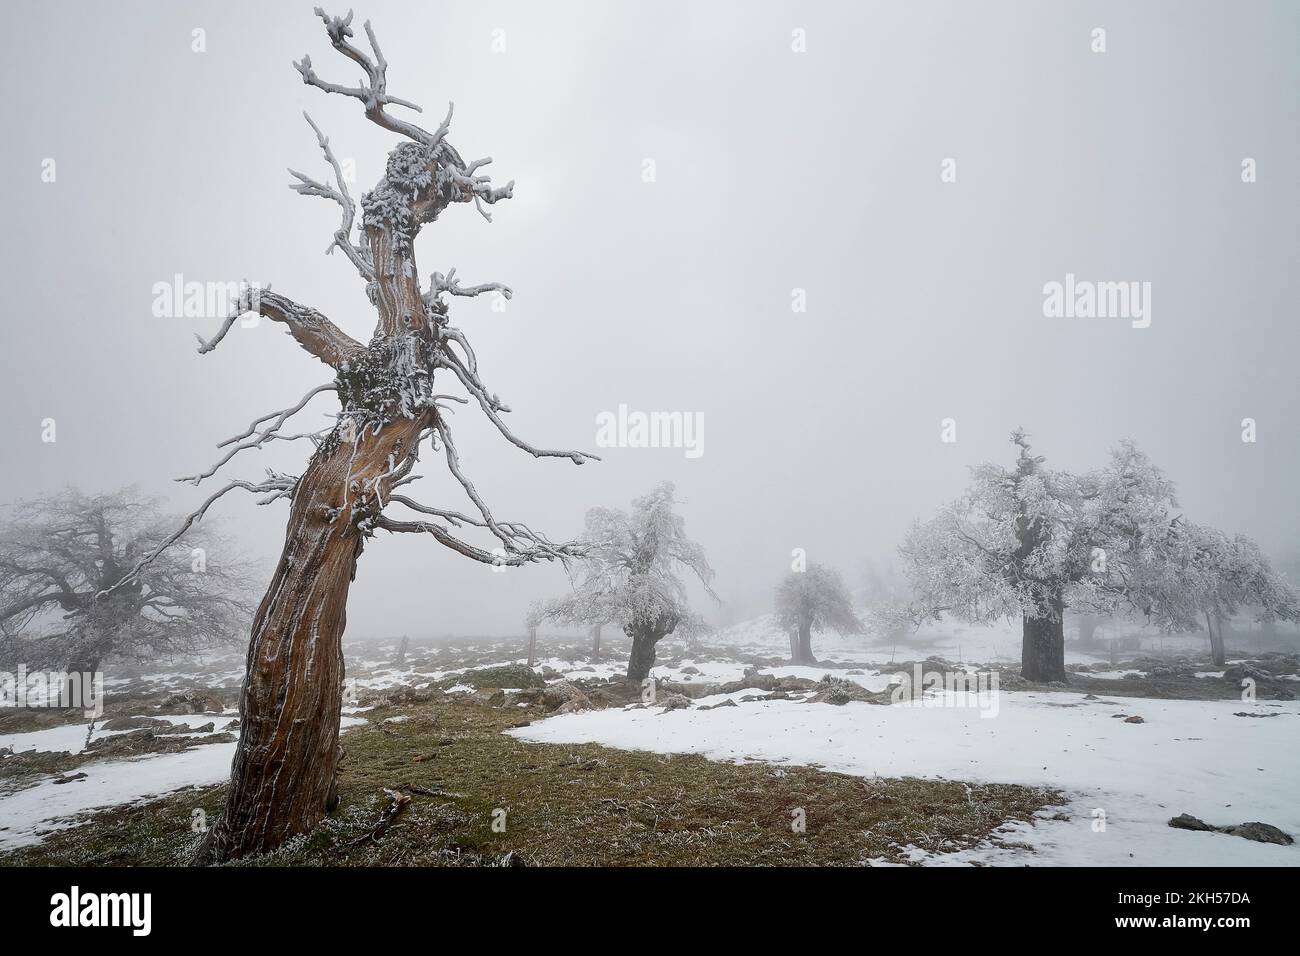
<point x="312" y="330"/>
<point x="438" y="284"/>
<point x="307" y="186"/>
<point x="252" y="438"/>
<point x="491" y="404"/>
<point x="373" y="94"/>
<point x="276" y="486"/>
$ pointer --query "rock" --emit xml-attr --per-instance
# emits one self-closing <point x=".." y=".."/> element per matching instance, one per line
<point x="726" y="703"/>
<point x="693" y="691"/>
<point x="690" y="669"/>
<point x="1242" y="713"/>
<point x="134" y="723"/>
<point x="562" y="693"/>
<point x="580" y="702"/>
<point x="489" y="696"/>
<point x="192" y="702"/>
<point x="70" y="778"/>
<point x="675" y="702"/>
<point x="1185" y="821"/>
<point x="1091" y="697"/>
<point x="838" y="692"/>
<point x="1260" y="833"/>
<point x="1135" y="719"/>
<point x="1239" y="672"/>
<point x="207" y="728"/>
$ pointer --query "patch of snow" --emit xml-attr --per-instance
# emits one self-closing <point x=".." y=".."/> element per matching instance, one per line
<point x="1188" y="756"/>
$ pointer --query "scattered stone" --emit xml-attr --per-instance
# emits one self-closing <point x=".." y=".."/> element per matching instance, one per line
<point x="70" y="778"/>
<point x="134" y="723"/>
<point x="192" y="702"/>
<point x="1135" y="719"/>
<point x="838" y="692"/>
<point x="1185" y="821"/>
<point x="726" y="703"/>
<point x="563" y="697"/>
<point x="1242" y="713"/>
<point x="1239" y="672"/>
<point x="207" y="728"/>
<point x="1260" y="833"/>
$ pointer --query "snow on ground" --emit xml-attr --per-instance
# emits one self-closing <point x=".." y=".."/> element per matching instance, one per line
<point x="55" y="806"/>
<point x="1188" y="756"/>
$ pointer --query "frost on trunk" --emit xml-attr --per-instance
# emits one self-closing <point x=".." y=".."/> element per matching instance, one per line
<point x="284" y="767"/>
<point x="814" y="599"/>
<point x="629" y="576"/>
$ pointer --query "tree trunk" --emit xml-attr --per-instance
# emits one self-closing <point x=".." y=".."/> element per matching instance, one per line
<point x="644" y="640"/>
<point x="284" y="765"/>
<point x="1042" y="649"/>
<point x="1217" y="652"/>
<point x="794" y="645"/>
<point x="595" y="642"/>
<point x="803" y="646"/>
<point x="532" y="645"/>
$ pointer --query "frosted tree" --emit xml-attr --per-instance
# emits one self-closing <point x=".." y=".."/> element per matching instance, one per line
<point x="1202" y="573"/>
<point x="284" y="766"/>
<point x="57" y="553"/>
<point x="629" y="576"/>
<point x="1027" y="542"/>
<point x="813" y="600"/>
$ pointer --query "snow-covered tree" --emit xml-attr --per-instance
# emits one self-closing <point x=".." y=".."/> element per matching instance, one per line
<point x="1028" y="542"/>
<point x="1202" y="573"/>
<point x="60" y="552"/>
<point x="285" y="763"/>
<point x="814" y="599"/>
<point x="629" y="576"/>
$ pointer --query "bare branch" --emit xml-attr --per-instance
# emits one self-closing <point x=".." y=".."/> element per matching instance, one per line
<point x="252" y="438"/>
<point x="438" y="284"/>
<point x="312" y="330"/>
<point x="276" y="486"/>
<point x="307" y="186"/>
<point x="491" y="405"/>
<point x="374" y="93"/>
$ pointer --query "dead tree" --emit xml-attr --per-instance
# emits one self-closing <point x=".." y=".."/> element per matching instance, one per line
<point x="285" y="763"/>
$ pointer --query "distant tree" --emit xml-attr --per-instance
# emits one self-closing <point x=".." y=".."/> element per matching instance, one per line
<point x="1029" y="542"/>
<point x="1200" y="572"/>
<point x="811" y="600"/>
<point x="629" y="576"/>
<point x="60" y="553"/>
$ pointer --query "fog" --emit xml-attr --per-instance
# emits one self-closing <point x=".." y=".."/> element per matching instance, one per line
<point x="774" y="171"/>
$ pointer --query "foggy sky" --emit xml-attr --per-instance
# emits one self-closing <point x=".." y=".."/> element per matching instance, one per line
<point x="775" y="170"/>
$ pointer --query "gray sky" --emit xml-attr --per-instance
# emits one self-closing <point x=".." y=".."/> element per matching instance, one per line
<point x="775" y="170"/>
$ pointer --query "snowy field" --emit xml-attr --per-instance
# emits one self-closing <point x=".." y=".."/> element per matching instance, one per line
<point x="1187" y="756"/>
